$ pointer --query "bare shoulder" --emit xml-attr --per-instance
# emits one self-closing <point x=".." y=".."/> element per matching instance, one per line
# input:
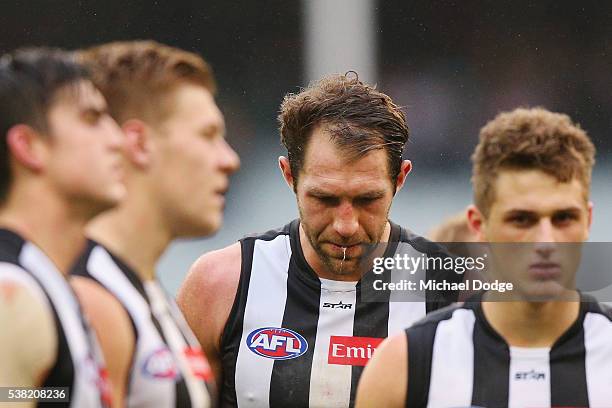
<point x="109" y="319"/>
<point x="385" y="378"/>
<point x="102" y="307"/>
<point x="207" y="294"/>
<point x="29" y="348"/>
<point x="113" y="328"/>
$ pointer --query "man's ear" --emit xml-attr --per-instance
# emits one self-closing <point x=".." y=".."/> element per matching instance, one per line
<point x="285" y="168"/>
<point x="476" y="223"/>
<point x="27" y="147"/>
<point x="137" y="143"/>
<point x="405" y="169"/>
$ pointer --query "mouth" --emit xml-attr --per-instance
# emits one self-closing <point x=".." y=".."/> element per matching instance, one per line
<point x="221" y="192"/>
<point x="351" y="250"/>
<point x="545" y="270"/>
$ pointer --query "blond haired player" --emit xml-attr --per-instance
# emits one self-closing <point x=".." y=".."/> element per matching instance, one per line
<point x="178" y="167"/>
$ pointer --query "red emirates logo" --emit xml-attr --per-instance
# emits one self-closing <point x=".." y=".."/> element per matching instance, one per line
<point x="354" y="351"/>
<point x="198" y="363"/>
<point x="104" y="385"/>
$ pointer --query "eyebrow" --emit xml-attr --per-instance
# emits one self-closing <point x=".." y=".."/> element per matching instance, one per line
<point x="94" y="108"/>
<point x="316" y="191"/>
<point x="522" y="211"/>
<point x="212" y="128"/>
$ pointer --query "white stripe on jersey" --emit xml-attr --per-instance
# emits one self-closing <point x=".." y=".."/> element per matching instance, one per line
<point x="144" y="389"/>
<point x="176" y="342"/>
<point x="529" y="377"/>
<point x="598" y="359"/>
<point x="452" y="366"/>
<point x="84" y="392"/>
<point x="330" y="384"/>
<point x="406" y="308"/>
<point x="265" y="307"/>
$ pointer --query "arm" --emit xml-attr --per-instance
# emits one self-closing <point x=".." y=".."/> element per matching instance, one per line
<point x="206" y="299"/>
<point x="385" y="378"/>
<point x="28" y="337"/>
<point x="114" y="330"/>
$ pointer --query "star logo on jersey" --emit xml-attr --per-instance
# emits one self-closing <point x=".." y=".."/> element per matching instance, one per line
<point x="338" y="305"/>
<point x="529" y="375"/>
<point x="276" y="343"/>
<point x="160" y="364"/>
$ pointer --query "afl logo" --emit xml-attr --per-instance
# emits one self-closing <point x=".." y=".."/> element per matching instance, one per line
<point x="277" y="343"/>
<point x="160" y="364"/>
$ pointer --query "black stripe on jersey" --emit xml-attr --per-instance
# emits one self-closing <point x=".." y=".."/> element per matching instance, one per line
<point x="372" y="317"/>
<point x="301" y="310"/>
<point x="568" y="385"/>
<point x="63" y="367"/>
<point x="491" y="381"/>
<point x="80" y="269"/>
<point x="232" y="332"/>
<point x="420" y="338"/>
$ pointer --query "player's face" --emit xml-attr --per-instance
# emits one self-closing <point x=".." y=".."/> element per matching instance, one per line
<point x="193" y="163"/>
<point x="342" y="204"/>
<point x="85" y="159"/>
<point x="544" y="215"/>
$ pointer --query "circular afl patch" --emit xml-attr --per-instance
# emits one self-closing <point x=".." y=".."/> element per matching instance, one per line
<point x="276" y="343"/>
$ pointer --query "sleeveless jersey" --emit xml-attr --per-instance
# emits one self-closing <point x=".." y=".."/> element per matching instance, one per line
<point x="293" y="339"/>
<point x="456" y="359"/>
<point x="168" y="366"/>
<point x="79" y="364"/>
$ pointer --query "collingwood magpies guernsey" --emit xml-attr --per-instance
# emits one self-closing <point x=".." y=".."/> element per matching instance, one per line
<point x="79" y="364"/>
<point x="168" y="366"/>
<point x="456" y="359"/>
<point x="295" y="340"/>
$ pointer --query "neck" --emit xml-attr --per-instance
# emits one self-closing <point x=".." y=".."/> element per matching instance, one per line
<point x="531" y="324"/>
<point x="53" y="225"/>
<point x="134" y="232"/>
<point x="322" y="271"/>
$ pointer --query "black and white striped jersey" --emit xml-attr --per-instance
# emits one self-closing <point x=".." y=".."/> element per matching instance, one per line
<point x="168" y="366"/>
<point x="293" y="339"/>
<point x="79" y="364"/>
<point x="456" y="359"/>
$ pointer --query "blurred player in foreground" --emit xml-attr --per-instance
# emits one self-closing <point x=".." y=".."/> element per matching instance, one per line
<point x="531" y="177"/>
<point x="281" y="314"/>
<point x="178" y="167"/>
<point x="60" y="167"/>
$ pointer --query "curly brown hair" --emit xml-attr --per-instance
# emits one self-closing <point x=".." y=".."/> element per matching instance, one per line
<point x="137" y="76"/>
<point x="530" y="139"/>
<point x="359" y="118"/>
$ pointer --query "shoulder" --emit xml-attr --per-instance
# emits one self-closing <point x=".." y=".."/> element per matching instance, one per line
<point x="29" y="348"/>
<point x="207" y="295"/>
<point x="213" y="271"/>
<point x="385" y="378"/>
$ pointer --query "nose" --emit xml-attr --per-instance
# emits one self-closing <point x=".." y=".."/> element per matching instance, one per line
<point x="544" y="241"/>
<point x="229" y="160"/>
<point x="346" y="223"/>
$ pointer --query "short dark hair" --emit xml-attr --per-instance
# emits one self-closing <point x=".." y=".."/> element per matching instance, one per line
<point x="530" y="139"/>
<point x="359" y="117"/>
<point x="30" y="79"/>
<point x="135" y="76"/>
